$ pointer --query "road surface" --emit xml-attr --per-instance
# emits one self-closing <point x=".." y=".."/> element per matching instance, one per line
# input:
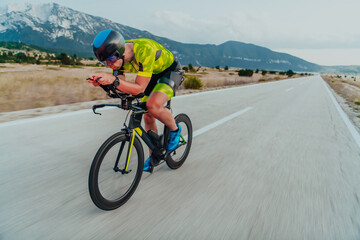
<point x="268" y="161"/>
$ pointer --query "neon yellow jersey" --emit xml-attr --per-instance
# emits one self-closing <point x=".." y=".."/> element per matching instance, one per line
<point x="150" y="57"/>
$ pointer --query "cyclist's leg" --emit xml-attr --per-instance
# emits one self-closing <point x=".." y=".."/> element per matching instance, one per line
<point x="163" y="91"/>
<point x="150" y="122"/>
<point x="156" y="108"/>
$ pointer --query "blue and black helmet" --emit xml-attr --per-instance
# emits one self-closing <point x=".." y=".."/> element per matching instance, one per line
<point x="108" y="43"/>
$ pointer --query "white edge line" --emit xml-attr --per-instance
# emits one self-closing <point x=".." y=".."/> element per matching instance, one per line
<point x="219" y="122"/>
<point x="345" y="118"/>
<point x="289" y="89"/>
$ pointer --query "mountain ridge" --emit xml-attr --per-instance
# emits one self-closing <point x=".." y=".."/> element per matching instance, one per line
<point x="59" y="28"/>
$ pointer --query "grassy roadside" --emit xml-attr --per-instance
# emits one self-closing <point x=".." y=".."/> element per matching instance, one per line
<point x="348" y="88"/>
<point x="27" y="86"/>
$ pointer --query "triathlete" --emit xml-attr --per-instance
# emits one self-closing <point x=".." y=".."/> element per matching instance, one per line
<point x="158" y="77"/>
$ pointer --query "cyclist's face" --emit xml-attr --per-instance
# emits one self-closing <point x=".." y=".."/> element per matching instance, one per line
<point x="114" y="65"/>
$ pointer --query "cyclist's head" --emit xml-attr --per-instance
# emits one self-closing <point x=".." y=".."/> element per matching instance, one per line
<point x="108" y="45"/>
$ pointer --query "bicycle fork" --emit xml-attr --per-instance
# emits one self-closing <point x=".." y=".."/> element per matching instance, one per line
<point x="131" y="144"/>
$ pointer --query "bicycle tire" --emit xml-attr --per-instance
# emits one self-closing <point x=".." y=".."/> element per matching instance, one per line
<point x="184" y="121"/>
<point x="101" y="201"/>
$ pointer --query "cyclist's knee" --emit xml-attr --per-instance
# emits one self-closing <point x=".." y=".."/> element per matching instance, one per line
<point x="154" y="105"/>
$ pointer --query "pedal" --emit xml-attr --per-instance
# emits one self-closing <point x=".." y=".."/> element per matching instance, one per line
<point x="167" y="154"/>
<point x="154" y="161"/>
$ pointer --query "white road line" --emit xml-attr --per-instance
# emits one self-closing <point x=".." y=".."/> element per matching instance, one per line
<point x="219" y="122"/>
<point x="345" y="118"/>
<point x="289" y="89"/>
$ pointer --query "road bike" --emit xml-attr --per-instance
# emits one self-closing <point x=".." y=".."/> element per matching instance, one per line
<point x="118" y="164"/>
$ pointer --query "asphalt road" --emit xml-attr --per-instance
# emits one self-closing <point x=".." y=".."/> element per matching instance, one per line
<point x="268" y="161"/>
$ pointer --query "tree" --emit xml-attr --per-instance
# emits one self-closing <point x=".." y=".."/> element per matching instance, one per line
<point x="64" y="59"/>
<point x="245" y="72"/>
<point x="290" y="73"/>
<point x="21" y="57"/>
<point x="226" y="68"/>
<point x="191" y="67"/>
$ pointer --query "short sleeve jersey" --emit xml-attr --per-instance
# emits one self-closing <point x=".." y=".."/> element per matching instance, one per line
<point x="149" y="57"/>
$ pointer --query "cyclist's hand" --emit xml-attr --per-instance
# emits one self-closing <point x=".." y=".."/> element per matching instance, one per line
<point x="93" y="79"/>
<point x="105" y="78"/>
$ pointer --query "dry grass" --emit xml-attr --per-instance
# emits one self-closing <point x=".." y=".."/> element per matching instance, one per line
<point x="47" y="86"/>
<point x="213" y="78"/>
<point x="348" y="88"/>
<point x="26" y="86"/>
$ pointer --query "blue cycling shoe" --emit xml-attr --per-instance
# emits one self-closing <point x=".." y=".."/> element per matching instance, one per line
<point x="174" y="139"/>
<point x="147" y="165"/>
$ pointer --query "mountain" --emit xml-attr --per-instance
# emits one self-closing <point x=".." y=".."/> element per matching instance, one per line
<point x="62" y="29"/>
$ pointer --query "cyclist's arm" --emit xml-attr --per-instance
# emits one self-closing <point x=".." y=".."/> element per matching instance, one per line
<point x="136" y="88"/>
<point x="146" y="66"/>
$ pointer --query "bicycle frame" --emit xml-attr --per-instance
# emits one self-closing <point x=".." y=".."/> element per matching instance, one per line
<point x="135" y="127"/>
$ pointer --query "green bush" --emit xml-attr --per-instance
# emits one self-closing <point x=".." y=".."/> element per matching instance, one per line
<point x="290" y="73"/>
<point x="192" y="82"/>
<point x="191" y="68"/>
<point x="245" y="72"/>
<point x="262" y="80"/>
<point x="65" y="60"/>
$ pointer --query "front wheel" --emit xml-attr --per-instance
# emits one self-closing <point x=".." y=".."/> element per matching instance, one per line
<point x="178" y="157"/>
<point x="110" y="186"/>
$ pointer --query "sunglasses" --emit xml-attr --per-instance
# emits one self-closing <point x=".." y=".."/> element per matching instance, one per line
<point x="111" y="59"/>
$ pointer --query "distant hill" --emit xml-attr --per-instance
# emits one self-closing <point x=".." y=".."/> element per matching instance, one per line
<point x="22" y="46"/>
<point x="61" y="29"/>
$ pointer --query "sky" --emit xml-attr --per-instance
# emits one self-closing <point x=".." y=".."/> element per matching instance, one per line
<point x="326" y="32"/>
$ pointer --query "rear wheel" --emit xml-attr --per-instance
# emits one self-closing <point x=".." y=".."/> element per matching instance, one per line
<point x="178" y="157"/>
<point x="109" y="187"/>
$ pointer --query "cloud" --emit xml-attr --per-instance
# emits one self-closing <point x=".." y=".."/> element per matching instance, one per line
<point x="271" y="29"/>
<point x="182" y="26"/>
<point x="329" y="57"/>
